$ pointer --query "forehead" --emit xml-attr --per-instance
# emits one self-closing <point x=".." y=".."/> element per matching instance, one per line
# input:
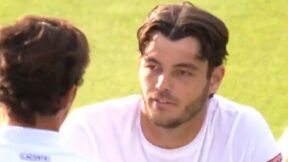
<point x="185" y="49"/>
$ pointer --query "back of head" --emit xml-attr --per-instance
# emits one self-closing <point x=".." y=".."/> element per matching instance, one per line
<point x="41" y="58"/>
<point x="176" y="21"/>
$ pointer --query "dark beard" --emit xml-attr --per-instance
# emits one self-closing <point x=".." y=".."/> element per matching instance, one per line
<point x="191" y="110"/>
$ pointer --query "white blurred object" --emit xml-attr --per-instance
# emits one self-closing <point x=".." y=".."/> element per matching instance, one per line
<point x="283" y="144"/>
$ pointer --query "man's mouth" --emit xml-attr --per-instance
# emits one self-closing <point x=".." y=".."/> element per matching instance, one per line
<point x="163" y="101"/>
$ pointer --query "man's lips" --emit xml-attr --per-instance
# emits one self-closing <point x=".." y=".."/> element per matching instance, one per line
<point x="163" y="101"/>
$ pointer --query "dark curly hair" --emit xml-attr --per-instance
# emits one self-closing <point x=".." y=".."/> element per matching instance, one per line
<point x="40" y="59"/>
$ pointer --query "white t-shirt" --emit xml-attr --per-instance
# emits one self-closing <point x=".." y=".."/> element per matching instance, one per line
<point x="19" y="144"/>
<point x="111" y="131"/>
<point x="283" y="144"/>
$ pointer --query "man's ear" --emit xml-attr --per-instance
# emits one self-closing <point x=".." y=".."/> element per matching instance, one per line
<point x="4" y="114"/>
<point x="66" y="102"/>
<point x="216" y="79"/>
<point x="69" y="97"/>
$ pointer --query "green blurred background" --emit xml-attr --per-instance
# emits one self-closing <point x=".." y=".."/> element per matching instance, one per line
<point x="256" y="70"/>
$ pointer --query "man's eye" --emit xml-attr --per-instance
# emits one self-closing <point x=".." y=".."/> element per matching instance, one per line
<point x="151" y="67"/>
<point x="184" y="73"/>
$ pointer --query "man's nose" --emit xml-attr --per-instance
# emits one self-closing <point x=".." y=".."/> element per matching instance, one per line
<point x="163" y="82"/>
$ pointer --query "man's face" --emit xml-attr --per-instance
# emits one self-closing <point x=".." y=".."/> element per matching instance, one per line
<point x="174" y="80"/>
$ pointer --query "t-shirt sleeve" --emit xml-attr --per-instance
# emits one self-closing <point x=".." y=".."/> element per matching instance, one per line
<point x="263" y="145"/>
<point x="283" y="144"/>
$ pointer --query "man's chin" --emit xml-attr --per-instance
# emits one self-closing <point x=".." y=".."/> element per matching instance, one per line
<point x="165" y="123"/>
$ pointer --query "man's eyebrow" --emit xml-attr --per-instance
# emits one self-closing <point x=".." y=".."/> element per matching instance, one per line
<point x="150" y="59"/>
<point x="187" y="65"/>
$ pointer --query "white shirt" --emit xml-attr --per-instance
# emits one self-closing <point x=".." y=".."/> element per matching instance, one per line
<point x="19" y="144"/>
<point x="283" y="144"/>
<point x="111" y="131"/>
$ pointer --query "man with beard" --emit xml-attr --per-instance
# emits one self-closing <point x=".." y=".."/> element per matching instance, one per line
<point x="178" y="118"/>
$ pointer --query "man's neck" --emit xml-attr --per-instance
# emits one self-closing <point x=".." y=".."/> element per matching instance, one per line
<point x="41" y="122"/>
<point x="48" y="122"/>
<point x="47" y="125"/>
<point x="170" y="138"/>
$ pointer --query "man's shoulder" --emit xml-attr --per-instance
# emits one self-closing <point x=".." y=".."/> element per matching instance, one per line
<point x="225" y="105"/>
<point x="19" y="152"/>
<point x="111" y="105"/>
<point x="101" y="122"/>
<point x="112" y="109"/>
<point x="246" y="126"/>
<point x="228" y="111"/>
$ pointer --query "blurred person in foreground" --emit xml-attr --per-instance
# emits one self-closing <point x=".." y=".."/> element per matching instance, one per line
<point x="178" y="117"/>
<point x="42" y="61"/>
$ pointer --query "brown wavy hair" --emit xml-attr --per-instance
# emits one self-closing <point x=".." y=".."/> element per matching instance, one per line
<point x="176" y="21"/>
